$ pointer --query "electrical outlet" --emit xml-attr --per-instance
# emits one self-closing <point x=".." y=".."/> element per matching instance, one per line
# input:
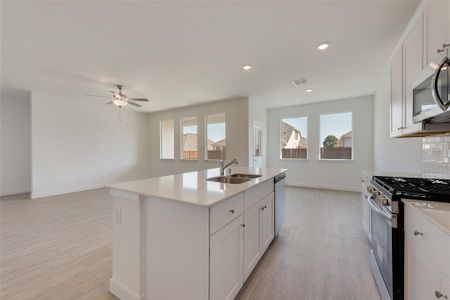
<point x="118" y="215"/>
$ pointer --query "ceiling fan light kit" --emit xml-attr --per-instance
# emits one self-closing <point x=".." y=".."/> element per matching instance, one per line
<point x="120" y="100"/>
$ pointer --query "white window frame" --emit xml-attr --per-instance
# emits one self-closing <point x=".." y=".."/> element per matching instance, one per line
<point x="353" y="143"/>
<point x="161" y="137"/>
<point x="307" y="134"/>
<point x="181" y="138"/>
<point x="206" y="134"/>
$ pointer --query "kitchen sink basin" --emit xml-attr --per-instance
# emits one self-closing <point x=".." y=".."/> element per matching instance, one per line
<point x="249" y="176"/>
<point x="228" y="179"/>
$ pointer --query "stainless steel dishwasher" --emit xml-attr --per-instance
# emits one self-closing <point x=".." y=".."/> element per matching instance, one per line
<point x="280" y="195"/>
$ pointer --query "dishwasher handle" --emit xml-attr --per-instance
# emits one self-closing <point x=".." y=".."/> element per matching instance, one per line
<point x="279" y="178"/>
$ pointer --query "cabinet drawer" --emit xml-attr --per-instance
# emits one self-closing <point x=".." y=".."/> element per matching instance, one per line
<point x="430" y="239"/>
<point x="224" y="212"/>
<point x="257" y="193"/>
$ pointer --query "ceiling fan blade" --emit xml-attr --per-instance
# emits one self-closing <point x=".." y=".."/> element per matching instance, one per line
<point x="98" y="96"/>
<point x="134" y="104"/>
<point x="139" y="99"/>
<point x="110" y="102"/>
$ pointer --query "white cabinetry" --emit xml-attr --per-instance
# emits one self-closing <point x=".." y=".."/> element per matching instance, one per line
<point x="427" y="260"/>
<point x="226" y="260"/>
<point x="397" y="111"/>
<point x="236" y="248"/>
<point x="424" y="45"/>
<point x="267" y="221"/>
<point x="437" y="30"/>
<point x="253" y="235"/>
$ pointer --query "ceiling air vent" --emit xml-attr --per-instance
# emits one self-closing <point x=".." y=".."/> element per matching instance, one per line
<point x="300" y="81"/>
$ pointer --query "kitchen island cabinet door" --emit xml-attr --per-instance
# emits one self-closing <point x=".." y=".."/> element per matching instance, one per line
<point x="267" y="221"/>
<point x="226" y="260"/>
<point x="252" y="238"/>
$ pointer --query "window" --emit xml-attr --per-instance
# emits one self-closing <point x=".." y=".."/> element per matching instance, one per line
<point x="294" y="138"/>
<point x="215" y="136"/>
<point x="336" y="136"/>
<point x="167" y="138"/>
<point x="189" y="148"/>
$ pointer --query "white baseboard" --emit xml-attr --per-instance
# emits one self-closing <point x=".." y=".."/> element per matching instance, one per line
<point x="325" y="187"/>
<point x="17" y="192"/>
<point x="122" y="292"/>
<point x="65" y="191"/>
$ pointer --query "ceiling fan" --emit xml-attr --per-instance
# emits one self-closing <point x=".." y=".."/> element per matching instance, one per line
<point x="120" y="99"/>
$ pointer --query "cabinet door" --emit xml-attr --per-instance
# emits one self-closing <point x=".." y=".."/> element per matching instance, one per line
<point x="267" y="221"/>
<point x="226" y="260"/>
<point x="435" y="30"/>
<point x="397" y="93"/>
<point x="252" y="237"/>
<point x="422" y="277"/>
<point x="413" y="66"/>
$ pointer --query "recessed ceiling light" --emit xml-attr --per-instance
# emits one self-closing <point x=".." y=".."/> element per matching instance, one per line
<point x="308" y="91"/>
<point x="246" y="67"/>
<point x="323" y="46"/>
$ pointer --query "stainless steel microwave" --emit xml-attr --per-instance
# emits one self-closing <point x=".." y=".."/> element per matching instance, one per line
<point x="431" y="98"/>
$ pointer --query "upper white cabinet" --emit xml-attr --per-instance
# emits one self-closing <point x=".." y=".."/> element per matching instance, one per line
<point x="413" y="69"/>
<point x="397" y="119"/>
<point x="423" y="46"/>
<point x="437" y="28"/>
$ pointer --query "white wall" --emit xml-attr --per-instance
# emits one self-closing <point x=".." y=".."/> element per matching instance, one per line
<point x="15" y="142"/>
<point x="393" y="154"/>
<point x="237" y="141"/>
<point x="257" y="113"/>
<point x="325" y="173"/>
<point x="81" y="144"/>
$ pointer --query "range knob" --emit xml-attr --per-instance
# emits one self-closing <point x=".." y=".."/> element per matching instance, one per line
<point x="383" y="201"/>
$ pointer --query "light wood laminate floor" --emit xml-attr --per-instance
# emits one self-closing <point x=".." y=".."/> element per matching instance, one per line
<point x="61" y="248"/>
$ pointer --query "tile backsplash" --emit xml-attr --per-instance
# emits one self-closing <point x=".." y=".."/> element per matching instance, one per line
<point x="436" y="156"/>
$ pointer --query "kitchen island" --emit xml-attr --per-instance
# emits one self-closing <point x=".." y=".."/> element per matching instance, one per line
<point x="185" y="237"/>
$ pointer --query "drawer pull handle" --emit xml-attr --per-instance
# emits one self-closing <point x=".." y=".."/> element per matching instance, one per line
<point x="262" y="208"/>
<point x="231" y="211"/>
<point x="439" y="295"/>
<point x="445" y="45"/>
<point x="416" y="233"/>
<point x="243" y="225"/>
<point x="440" y="50"/>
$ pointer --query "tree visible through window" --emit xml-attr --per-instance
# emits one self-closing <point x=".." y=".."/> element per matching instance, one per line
<point x="294" y="138"/>
<point x="336" y="136"/>
<point x="216" y="136"/>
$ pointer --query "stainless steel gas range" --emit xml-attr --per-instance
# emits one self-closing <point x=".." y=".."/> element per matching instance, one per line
<point x="387" y="231"/>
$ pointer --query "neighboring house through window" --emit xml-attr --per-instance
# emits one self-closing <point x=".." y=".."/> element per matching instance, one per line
<point x="215" y="136"/>
<point x="294" y="138"/>
<point x="189" y="139"/>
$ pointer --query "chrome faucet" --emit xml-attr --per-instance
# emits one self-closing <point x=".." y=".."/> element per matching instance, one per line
<point x="223" y="166"/>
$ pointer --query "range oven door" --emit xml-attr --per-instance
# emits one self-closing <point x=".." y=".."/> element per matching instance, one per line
<point x="382" y="223"/>
<point x="431" y="97"/>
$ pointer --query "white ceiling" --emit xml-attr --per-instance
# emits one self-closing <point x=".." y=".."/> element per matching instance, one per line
<point x="179" y="53"/>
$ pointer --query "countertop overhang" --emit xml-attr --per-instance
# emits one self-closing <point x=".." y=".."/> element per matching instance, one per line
<point x="437" y="213"/>
<point x="193" y="188"/>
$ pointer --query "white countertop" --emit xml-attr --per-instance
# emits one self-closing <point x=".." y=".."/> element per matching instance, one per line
<point x="193" y="187"/>
<point x="437" y="212"/>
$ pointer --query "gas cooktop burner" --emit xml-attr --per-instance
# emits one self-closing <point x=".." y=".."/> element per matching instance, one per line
<point x="419" y="188"/>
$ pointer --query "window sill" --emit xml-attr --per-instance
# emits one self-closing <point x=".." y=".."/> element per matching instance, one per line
<point x="187" y="159"/>
<point x="336" y="159"/>
<point x="166" y="158"/>
<point x="294" y="159"/>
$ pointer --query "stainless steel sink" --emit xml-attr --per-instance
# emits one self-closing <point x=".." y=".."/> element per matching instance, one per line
<point x="228" y="179"/>
<point x="249" y="176"/>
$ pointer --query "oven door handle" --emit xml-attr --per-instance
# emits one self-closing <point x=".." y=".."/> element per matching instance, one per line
<point x="377" y="209"/>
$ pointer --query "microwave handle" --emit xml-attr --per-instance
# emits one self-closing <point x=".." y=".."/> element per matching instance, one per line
<point x="435" y="92"/>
